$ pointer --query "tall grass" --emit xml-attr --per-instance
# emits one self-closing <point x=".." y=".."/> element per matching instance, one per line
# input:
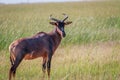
<point x="92" y="21"/>
<point x="90" y="51"/>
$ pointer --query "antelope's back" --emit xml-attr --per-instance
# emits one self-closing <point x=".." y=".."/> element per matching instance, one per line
<point x="38" y="43"/>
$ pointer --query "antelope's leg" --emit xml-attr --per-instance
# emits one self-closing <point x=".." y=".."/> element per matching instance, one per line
<point x="44" y="66"/>
<point x="15" y="65"/>
<point x="12" y="61"/>
<point x="49" y="65"/>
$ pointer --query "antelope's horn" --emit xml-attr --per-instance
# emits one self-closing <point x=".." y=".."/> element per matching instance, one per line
<point x="50" y="17"/>
<point x="66" y="16"/>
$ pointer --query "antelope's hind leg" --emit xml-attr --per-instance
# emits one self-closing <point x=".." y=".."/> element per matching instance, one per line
<point x="13" y="68"/>
<point x="12" y="61"/>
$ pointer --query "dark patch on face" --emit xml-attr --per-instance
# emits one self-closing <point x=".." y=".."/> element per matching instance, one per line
<point x="61" y="27"/>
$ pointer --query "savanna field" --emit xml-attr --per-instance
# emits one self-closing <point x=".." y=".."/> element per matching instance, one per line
<point x="90" y="50"/>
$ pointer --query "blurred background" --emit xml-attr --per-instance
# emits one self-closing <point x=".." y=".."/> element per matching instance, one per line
<point x="90" y="50"/>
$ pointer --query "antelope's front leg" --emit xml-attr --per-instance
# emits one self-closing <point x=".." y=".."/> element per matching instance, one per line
<point x="49" y="65"/>
<point x="44" y="66"/>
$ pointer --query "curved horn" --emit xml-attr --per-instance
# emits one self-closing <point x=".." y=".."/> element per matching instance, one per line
<point x="66" y="16"/>
<point x="50" y="17"/>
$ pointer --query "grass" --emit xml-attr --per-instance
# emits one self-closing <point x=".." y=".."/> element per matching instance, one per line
<point x="86" y="62"/>
<point x="92" y="21"/>
<point x="90" y="51"/>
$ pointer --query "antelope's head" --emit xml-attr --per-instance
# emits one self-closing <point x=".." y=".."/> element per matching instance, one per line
<point x="60" y="24"/>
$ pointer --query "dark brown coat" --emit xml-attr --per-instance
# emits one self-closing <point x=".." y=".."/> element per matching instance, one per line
<point x="40" y="45"/>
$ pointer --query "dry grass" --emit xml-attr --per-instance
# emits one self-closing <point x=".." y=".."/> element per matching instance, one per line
<point x="86" y="62"/>
<point x="100" y="53"/>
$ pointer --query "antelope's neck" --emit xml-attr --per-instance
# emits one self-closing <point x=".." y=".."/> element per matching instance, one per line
<point x="56" y="37"/>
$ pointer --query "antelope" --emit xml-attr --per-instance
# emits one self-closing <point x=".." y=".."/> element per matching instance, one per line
<point x="40" y="45"/>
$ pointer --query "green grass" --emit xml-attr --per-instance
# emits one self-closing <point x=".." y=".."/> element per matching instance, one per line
<point x="92" y="21"/>
<point x="90" y="51"/>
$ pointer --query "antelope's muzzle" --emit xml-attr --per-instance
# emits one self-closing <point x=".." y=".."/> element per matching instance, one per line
<point x="63" y="33"/>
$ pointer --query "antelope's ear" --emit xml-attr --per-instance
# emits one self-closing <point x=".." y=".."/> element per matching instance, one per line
<point x="69" y="22"/>
<point x="53" y="23"/>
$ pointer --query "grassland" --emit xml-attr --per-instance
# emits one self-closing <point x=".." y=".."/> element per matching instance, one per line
<point x="90" y="51"/>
